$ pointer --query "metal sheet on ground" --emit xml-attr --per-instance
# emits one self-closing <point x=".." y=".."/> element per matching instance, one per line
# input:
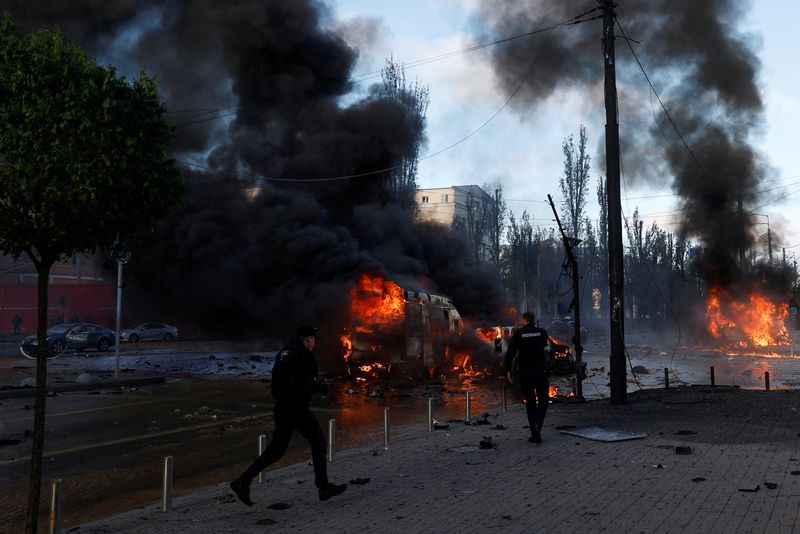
<point x="597" y="433"/>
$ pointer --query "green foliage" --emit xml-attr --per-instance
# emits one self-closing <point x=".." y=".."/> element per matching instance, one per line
<point x="82" y="151"/>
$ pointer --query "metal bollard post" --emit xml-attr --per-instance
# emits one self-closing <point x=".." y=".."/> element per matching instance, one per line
<point x="331" y="438"/>
<point x="262" y="444"/>
<point x="573" y="384"/>
<point x="504" y="400"/>
<point x="712" y="376"/>
<point x="469" y="406"/>
<point x="386" y="427"/>
<point x="666" y="378"/>
<point x="166" y="496"/>
<point x="55" y="505"/>
<point x="430" y="415"/>
<point x="766" y="379"/>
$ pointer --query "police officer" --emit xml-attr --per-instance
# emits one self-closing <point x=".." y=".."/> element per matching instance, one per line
<point x="528" y="354"/>
<point x="295" y="376"/>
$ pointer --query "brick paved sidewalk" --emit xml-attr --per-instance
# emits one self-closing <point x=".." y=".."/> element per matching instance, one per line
<point x="443" y="482"/>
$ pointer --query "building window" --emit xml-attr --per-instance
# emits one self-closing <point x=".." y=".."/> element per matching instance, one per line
<point x="424" y="200"/>
<point x="445" y="198"/>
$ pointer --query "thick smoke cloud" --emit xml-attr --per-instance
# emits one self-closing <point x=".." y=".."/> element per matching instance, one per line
<point x="256" y="89"/>
<point x="708" y="76"/>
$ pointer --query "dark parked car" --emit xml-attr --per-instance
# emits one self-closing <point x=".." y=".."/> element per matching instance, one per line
<point x="149" y="331"/>
<point x="75" y="336"/>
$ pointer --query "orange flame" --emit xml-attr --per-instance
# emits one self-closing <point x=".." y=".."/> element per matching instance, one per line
<point x="489" y="334"/>
<point x="375" y="304"/>
<point x="760" y="320"/>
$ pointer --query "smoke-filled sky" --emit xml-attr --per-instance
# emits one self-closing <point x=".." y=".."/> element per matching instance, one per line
<point x="282" y="89"/>
<point x="522" y="145"/>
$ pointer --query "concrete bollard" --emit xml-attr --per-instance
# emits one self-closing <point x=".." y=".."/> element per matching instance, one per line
<point x="430" y="415"/>
<point x="712" y="376"/>
<point x="666" y="378"/>
<point x="262" y="444"/>
<point x="55" y="505"/>
<point x="386" y="427"/>
<point x="331" y="438"/>
<point x="766" y="379"/>
<point x="469" y="406"/>
<point x="166" y="495"/>
<point x="504" y="400"/>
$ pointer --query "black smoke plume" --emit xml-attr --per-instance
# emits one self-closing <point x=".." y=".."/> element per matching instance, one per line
<point x="261" y="96"/>
<point x="707" y="75"/>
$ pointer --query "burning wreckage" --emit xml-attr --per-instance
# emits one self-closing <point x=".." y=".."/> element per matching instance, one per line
<point x="422" y="333"/>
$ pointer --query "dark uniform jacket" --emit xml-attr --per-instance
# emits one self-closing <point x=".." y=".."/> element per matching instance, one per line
<point x="527" y="346"/>
<point x="295" y="376"/>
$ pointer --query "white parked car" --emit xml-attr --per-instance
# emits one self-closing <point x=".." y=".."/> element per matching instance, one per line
<point x="149" y="331"/>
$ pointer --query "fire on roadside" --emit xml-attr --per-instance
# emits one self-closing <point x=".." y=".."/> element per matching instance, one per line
<point x="759" y="320"/>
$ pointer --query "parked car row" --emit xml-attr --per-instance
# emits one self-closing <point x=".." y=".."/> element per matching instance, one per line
<point x="81" y="336"/>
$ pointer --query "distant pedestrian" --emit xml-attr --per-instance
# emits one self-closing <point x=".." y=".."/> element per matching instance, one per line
<point x="16" y="321"/>
<point x="528" y="356"/>
<point x="295" y="376"/>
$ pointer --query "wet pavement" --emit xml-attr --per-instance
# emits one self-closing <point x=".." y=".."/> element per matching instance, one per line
<point x="109" y="444"/>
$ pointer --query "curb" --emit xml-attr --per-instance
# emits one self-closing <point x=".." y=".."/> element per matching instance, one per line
<point x="63" y="388"/>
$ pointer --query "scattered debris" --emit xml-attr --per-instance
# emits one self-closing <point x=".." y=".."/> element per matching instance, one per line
<point x="212" y="357"/>
<point x="698" y="479"/>
<point x="440" y="425"/>
<point x="4" y="442"/>
<point x="770" y="485"/>
<point x="750" y="490"/>
<point x="486" y="443"/>
<point x="255" y="358"/>
<point x="795" y="472"/>
<point x="659" y="466"/>
<point x="279" y="506"/>
<point x="640" y="370"/>
<point x="226" y="498"/>
<point x="683" y="449"/>
<point x="359" y="481"/>
<point x="685" y="433"/>
<point x="597" y="433"/>
<point x="498" y="427"/>
<point x="265" y="521"/>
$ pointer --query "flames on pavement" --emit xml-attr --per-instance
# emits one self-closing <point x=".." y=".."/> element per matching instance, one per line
<point x="759" y="320"/>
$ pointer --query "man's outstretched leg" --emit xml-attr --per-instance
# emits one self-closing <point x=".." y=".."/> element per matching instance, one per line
<point x="310" y="429"/>
<point x="274" y="451"/>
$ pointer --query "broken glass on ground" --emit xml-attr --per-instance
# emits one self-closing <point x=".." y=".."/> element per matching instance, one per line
<point x="597" y="433"/>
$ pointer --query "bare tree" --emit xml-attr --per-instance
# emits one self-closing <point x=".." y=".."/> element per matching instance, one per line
<point x="575" y="182"/>
<point x="415" y="98"/>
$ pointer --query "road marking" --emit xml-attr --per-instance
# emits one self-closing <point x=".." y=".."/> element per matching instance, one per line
<point x="88" y="410"/>
<point x="140" y="437"/>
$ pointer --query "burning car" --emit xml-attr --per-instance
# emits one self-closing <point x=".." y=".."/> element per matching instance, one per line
<point x="497" y="338"/>
<point x="392" y="327"/>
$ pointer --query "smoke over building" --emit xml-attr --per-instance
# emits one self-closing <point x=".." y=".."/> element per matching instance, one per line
<point x="263" y="240"/>
<point x="707" y="75"/>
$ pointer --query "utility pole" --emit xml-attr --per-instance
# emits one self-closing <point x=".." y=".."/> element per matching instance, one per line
<point x="619" y="387"/>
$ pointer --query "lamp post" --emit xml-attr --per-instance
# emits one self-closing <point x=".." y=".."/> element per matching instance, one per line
<point x="121" y="254"/>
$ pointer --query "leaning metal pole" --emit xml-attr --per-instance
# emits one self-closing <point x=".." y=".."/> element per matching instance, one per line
<point x="615" y="266"/>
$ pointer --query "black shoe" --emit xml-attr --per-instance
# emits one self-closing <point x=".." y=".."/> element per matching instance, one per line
<point x="536" y="437"/>
<point x="331" y="490"/>
<point x="242" y="491"/>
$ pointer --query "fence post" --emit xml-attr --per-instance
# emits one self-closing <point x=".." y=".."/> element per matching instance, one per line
<point x="386" y="427"/>
<point x="712" y="376"/>
<point x="504" y="400"/>
<point x="166" y="495"/>
<point x="262" y="444"/>
<point x="55" y="505"/>
<point x="766" y="379"/>
<point x="430" y="415"/>
<point x="666" y="378"/>
<point x="331" y="438"/>
<point x="469" y="406"/>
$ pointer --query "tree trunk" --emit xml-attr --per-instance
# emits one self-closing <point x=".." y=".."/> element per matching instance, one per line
<point x="37" y="449"/>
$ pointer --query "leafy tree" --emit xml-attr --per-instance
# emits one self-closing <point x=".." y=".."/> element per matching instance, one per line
<point x="497" y="219"/>
<point x="82" y="161"/>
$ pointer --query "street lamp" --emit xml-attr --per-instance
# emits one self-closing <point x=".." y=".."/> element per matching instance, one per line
<point x="121" y="254"/>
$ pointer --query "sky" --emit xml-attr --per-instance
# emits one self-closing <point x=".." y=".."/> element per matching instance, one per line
<point x="523" y="150"/>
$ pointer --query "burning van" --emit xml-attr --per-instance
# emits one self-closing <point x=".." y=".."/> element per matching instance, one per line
<point x="392" y="327"/>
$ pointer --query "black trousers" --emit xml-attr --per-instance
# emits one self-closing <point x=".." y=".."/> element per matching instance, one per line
<point x="287" y="420"/>
<point x="535" y="387"/>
